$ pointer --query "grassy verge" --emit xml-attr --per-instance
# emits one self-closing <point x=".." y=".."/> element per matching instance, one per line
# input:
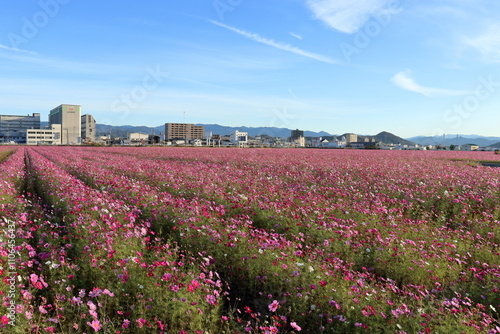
<point x="5" y="154"/>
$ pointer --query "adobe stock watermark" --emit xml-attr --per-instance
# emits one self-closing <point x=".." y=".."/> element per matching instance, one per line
<point x="373" y="28"/>
<point x="223" y="6"/>
<point x="13" y="255"/>
<point x="152" y="80"/>
<point x="471" y="103"/>
<point x="281" y="118"/>
<point x="31" y="26"/>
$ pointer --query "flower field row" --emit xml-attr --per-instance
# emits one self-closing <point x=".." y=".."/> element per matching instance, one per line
<point x="75" y="268"/>
<point x="130" y="240"/>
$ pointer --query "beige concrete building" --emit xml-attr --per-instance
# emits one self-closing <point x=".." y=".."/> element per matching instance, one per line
<point x="299" y="142"/>
<point x="183" y="131"/>
<point x="351" y="138"/>
<point x="69" y="117"/>
<point x="49" y="136"/>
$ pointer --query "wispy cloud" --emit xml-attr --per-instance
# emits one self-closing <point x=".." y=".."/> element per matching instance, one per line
<point x="49" y="63"/>
<point x="404" y="80"/>
<point x="487" y="43"/>
<point x="347" y="16"/>
<point x="295" y="35"/>
<point x="5" y="47"/>
<point x="276" y="44"/>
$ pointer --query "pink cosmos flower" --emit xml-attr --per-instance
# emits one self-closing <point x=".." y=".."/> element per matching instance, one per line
<point x="95" y="324"/>
<point x="109" y="293"/>
<point x="274" y="306"/>
<point x="295" y="326"/>
<point x="211" y="299"/>
<point x="141" y="322"/>
<point x="126" y="323"/>
<point x="194" y="285"/>
<point x="37" y="281"/>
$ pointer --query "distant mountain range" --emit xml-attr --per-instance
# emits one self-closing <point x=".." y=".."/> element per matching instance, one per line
<point x="270" y="131"/>
<point x="123" y="130"/>
<point x="385" y="137"/>
<point x="457" y="140"/>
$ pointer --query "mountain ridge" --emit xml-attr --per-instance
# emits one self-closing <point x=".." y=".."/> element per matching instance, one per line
<point x="483" y="141"/>
<point x="124" y="130"/>
<point x="384" y="136"/>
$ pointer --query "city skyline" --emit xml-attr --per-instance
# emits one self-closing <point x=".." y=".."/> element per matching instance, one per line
<point x="362" y="66"/>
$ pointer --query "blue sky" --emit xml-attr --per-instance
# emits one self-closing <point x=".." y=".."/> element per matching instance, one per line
<point x="415" y="67"/>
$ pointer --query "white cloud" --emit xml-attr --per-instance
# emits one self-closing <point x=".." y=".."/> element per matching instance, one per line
<point x="277" y="45"/>
<point x="486" y="43"/>
<point x="404" y="80"/>
<point x="295" y="35"/>
<point x="5" y="47"/>
<point x="22" y="59"/>
<point x="348" y="16"/>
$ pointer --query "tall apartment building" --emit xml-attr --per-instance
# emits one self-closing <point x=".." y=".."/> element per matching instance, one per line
<point x="88" y="128"/>
<point x="13" y="127"/>
<point x="183" y="131"/>
<point x="69" y="116"/>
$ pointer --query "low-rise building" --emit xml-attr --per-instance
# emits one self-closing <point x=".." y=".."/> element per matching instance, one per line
<point x="154" y="139"/>
<point x="197" y="142"/>
<point x="299" y="142"/>
<point x="338" y="143"/>
<point x="364" y="145"/>
<point x="470" y="147"/>
<point x="239" y="138"/>
<point x="138" y="138"/>
<point x="46" y="136"/>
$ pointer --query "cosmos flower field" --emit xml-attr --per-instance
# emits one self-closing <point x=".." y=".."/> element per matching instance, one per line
<point x="207" y="240"/>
